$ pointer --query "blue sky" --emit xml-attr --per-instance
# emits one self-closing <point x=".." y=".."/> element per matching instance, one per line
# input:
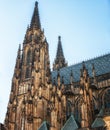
<point x="84" y="26"/>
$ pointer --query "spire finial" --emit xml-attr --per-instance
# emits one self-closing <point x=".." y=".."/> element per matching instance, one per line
<point x="19" y="46"/>
<point x="83" y="65"/>
<point x="59" y="38"/>
<point x="19" y="51"/>
<point x="35" y="21"/>
<point x="93" y="67"/>
<point x="71" y="77"/>
<point x="36" y="3"/>
<point x="59" y="49"/>
<point x="18" y="57"/>
<point x="93" y="70"/>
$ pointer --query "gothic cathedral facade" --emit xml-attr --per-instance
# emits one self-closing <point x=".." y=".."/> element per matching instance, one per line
<point x="73" y="97"/>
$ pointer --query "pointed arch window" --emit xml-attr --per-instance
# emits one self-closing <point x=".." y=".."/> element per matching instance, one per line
<point x="27" y="75"/>
<point x="69" y="109"/>
<point x="107" y="99"/>
<point x="29" y="57"/>
<point x="23" y="57"/>
<point x="35" y="36"/>
<point x="77" y="110"/>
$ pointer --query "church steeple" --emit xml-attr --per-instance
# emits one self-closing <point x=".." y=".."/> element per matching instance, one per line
<point x="60" y="59"/>
<point x="31" y="80"/>
<point x="35" y="21"/>
<point x="59" y="49"/>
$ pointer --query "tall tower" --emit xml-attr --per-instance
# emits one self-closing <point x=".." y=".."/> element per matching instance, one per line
<point x="31" y="80"/>
<point x="60" y="59"/>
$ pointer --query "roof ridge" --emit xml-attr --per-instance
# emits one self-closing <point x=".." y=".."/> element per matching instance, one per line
<point x="90" y="59"/>
<point x="87" y="60"/>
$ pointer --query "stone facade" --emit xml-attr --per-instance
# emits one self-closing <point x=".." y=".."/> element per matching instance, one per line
<point x="2" y="127"/>
<point x="68" y="98"/>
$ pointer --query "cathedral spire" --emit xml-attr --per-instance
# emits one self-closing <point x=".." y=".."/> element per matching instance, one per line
<point x="59" y="49"/>
<point x="35" y="21"/>
<point x="60" y="59"/>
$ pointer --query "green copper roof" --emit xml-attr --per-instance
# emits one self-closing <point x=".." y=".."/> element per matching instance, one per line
<point x="44" y="126"/>
<point x="99" y="122"/>
<point x="101" y="113"/>
<point x="70" y="124"/>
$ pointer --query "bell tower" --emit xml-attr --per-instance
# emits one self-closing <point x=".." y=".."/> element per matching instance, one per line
<point x="31" y="80"/>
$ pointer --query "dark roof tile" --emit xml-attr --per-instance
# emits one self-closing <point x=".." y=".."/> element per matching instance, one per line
<point x="101" y="64"/>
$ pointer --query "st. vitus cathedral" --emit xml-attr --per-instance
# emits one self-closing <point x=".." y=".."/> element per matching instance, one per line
<point x="73" y="97"/>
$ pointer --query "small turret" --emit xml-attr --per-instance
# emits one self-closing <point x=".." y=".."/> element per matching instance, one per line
<point x="18" y="57"/>
<point x="60" y="59"/>
<point x="94" y="74"/>
<point x="72" y="81"/>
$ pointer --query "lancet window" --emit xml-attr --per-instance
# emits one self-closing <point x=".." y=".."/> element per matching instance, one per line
<point x="29" y="57"/>
<point x="107" y="99"/>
